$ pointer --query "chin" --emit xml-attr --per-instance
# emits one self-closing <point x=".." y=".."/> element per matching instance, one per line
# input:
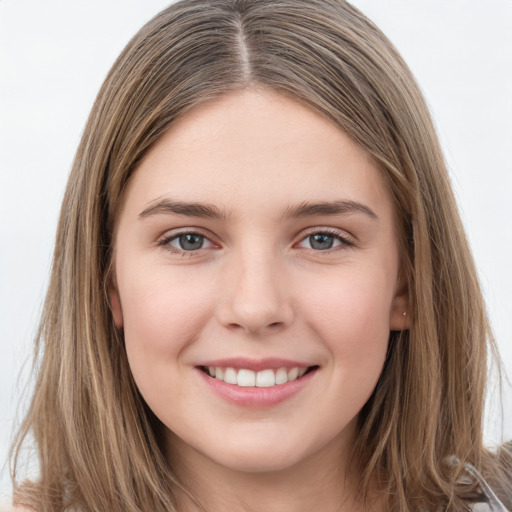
<point x="263" y="454"/>
<point x="254" y="461"/>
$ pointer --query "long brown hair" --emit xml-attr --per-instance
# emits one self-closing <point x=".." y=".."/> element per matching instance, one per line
<point x="98" y="444"/>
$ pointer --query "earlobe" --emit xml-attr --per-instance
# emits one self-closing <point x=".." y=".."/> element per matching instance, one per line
<point x="115" y="306"/>
<point x="400" y="316"/>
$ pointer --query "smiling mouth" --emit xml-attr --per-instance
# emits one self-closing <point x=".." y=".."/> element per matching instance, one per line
<point x="243" y="377"/>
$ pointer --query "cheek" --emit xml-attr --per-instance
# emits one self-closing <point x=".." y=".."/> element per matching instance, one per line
<point x="162" y="315"/>
<point x="350" y="312"/>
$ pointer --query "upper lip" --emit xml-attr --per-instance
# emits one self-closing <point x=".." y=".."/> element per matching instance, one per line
<point x="270" y="363"/>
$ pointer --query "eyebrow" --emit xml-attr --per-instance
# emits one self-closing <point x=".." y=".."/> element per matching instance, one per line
<point x="341" y="207"/>
<point x="304" y="209"/>
<point x="166" y="206"/>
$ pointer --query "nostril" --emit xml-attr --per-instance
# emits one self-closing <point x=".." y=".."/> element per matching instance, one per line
<point x="274" y="326"/>
<point x="235" y="326"/>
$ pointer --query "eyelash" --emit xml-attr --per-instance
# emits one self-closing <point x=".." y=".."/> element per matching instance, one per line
<point x="344" y="241"/>
<point x="166" y="242"/>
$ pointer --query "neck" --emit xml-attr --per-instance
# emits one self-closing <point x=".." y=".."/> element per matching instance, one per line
<point x="324" y="481"/>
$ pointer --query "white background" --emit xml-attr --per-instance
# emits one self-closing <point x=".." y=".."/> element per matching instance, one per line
<point x="54" y="55"/>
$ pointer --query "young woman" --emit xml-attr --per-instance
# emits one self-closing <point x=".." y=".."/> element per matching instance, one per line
<point x="262" y="297"/>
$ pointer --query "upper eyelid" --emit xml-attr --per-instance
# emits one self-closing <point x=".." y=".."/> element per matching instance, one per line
<point x="173" y="233"/>
<point x="344" y="243"/>
<point x="176" y="232"/>
<point x="165" y="242"/>
<point x="341" y="233"/>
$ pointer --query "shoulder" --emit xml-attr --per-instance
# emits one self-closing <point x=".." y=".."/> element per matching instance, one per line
<point x="490" y="502"/>
<point x="13" y="508"/>
<point x="6" y="505"/>
<point x="485" y="507"/>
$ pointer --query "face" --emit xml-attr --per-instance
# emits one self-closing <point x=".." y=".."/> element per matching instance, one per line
<point x="257" y="281"/>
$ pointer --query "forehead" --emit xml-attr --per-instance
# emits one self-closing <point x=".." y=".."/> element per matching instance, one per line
<point x="257" y="149"/>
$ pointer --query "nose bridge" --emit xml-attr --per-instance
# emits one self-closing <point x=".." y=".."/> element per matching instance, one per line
<point x="255" y="299"/>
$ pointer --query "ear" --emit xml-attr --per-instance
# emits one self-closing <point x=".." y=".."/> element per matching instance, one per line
<point x="115" y="305"/>
<point x="400" y="316"/>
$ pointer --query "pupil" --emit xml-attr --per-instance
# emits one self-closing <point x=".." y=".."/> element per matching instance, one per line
<point x="321" y="241"/>
<point x="191" y="242"/>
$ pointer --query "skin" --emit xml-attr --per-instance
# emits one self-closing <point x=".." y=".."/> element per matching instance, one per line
<point x="258" y="288"/>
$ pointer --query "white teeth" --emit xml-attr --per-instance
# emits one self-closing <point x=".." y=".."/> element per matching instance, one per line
<point x="261" y="379"/>
<point x="230" y="376"/>
<point x="281" y="376"/>
<point x="265" y="379"/>
<point x="293" y="374"/>
<point x="246" y="378"/>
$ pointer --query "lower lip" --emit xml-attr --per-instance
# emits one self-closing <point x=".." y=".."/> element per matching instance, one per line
<point x="254" y="397"/>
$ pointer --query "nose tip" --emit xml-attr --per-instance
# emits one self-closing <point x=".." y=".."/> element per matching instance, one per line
<point x="257" y="319"/>
<point x="257" y="301"/>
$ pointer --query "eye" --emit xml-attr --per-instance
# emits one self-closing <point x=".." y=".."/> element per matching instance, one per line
<point x="323" y="241"/>
<point x="186" y="242"/>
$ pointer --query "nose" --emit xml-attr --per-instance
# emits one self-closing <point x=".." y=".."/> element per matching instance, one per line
<point x="256" y="296"/>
